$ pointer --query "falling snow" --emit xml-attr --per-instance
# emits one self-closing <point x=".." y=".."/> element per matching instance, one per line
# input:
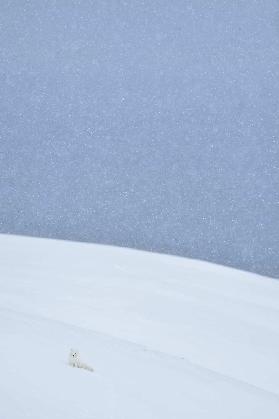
<point x="144" y="124"/>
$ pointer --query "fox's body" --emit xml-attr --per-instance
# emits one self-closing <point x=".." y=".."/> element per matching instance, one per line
<point x="74" y="361"/>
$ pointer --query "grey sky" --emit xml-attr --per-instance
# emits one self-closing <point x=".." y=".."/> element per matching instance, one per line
<point x="148" y="124"/>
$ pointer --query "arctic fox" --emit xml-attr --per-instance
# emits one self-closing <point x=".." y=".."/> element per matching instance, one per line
<point x="74" y="361"/>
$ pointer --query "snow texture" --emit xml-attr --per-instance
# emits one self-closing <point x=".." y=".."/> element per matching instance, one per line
<point x="144" y="123"/>
<point x="168" y="337"/>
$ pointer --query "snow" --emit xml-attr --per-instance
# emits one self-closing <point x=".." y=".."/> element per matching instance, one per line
<point x="148" y="124"/>
<point x="167" y="337"/>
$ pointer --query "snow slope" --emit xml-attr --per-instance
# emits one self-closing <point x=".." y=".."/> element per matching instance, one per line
<point x="168" y="337"/>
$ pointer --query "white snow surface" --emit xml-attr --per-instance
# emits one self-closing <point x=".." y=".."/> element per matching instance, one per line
<point x="168" y="338"/>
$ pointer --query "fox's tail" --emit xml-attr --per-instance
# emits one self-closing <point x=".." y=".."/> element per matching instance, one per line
<point x="85" y="366"/>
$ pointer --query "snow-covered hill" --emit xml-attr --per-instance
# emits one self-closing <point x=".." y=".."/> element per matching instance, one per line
<point x="169" y="338"/>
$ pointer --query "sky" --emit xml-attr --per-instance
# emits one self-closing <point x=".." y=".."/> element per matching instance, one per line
<point x="147" y="124"/>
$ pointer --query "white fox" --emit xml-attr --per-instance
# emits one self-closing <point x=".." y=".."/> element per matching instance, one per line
<point x="74" y="361"/>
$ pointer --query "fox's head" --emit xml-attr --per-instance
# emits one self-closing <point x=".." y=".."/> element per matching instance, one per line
<point x="74" y="354"/>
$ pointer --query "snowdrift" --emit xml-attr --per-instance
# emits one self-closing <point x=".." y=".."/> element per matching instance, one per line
<point x="167" y="337"/>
